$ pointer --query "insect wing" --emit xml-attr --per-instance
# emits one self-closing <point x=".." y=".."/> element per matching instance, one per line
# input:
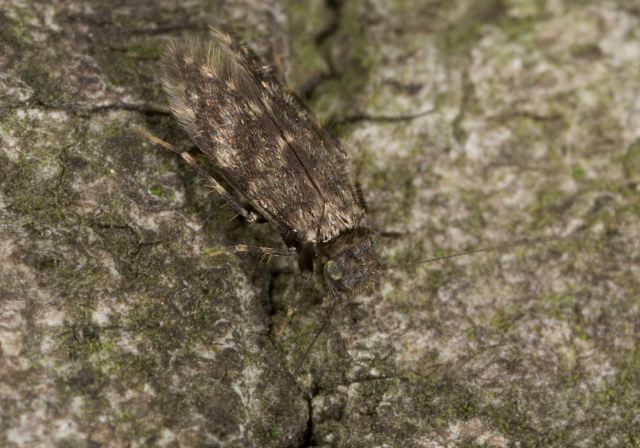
<point x="262" y="140"/>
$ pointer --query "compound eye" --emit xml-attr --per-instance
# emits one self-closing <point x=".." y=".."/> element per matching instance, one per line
<point x="333" y="271"/>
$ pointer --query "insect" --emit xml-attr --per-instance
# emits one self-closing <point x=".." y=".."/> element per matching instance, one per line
<point x="263" y="142"/>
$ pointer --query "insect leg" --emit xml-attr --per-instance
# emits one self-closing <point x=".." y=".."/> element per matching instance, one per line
<point x="392" y="235"/>
<point x="335" y="299"/>
<point x="324" y="208"/>
<point x="360" y="195"/>
<point x="260" y="250"/>
<point x="251" y="217"/>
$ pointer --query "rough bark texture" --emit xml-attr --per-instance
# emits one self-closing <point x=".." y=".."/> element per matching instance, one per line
<point x="469" y="123"/>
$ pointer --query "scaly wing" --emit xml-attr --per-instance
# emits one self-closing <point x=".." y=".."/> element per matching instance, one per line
<point x="261" y="139"/>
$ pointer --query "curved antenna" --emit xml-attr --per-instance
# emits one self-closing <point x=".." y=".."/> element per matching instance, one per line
<point x="334" y="305"/>
<point x="497" y="247"/>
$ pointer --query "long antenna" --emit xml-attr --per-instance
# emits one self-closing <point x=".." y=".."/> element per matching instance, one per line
<point x="502" y="246"/>
<point x="334" y="305"/>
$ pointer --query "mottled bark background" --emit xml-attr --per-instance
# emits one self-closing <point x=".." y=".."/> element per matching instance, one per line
<point x="469" y="123"/>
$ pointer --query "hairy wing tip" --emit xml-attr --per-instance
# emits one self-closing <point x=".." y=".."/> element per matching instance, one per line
<point x="221" y="35"/>
<point x="185" y="60"/>
<point x="202" y="53"/>
<point x="175" y="62"/>
<point x="202" y="65"/>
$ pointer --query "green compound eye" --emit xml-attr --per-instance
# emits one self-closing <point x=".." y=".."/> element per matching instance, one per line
<point x="332" y="270"/>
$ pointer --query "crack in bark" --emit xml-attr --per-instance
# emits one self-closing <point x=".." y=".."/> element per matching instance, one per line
<point x="142" y="108"/>
<point x="131" y="229"/>
<point x="308" y="438"/>
<point x="308" y="88"/>
<point x="383" y="118"/>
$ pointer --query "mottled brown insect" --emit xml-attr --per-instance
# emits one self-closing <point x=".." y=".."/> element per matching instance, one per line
<point x="269" y="148"/>
<point x="264" y="143"/>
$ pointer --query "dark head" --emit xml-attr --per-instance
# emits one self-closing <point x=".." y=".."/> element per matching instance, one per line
<point x="351" y="264"/>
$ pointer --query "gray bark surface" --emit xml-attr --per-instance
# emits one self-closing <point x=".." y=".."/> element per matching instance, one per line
<point x="468" y="124"/>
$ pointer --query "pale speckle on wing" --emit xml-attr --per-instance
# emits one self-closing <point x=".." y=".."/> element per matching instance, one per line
<point x="226" y="156"/>
<point x="260" y="138"/>
<point x="255" y="108"/>
<point x="280" y="143"/>
<point x="209" y="71"/>
<point x="288" y="136"/>
<point x="221" y="35"/>
<point x="266" y="101"/>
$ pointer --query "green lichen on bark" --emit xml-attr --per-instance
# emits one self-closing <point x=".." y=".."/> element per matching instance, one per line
<point x="468" y="124"/>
